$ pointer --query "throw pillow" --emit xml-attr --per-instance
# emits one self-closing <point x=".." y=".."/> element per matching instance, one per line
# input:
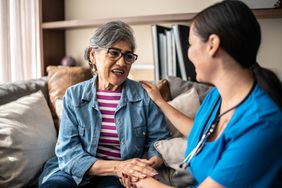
<point x="172" y="152"/>
<point x="178" y="86"/>
<point x="59" y="79"/>
<point x="59" y="107"/>
<point x="187" y="103"/>
<point x="27" y="139"/>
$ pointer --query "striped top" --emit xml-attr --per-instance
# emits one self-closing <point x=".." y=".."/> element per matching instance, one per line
<point x="109" y="146"/>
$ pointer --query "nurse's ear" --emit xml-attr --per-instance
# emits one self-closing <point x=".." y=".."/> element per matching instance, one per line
<point x="213" y="44"/>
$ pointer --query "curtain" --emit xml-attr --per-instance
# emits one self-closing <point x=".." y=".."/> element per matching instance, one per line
<point x="19" y="40"/>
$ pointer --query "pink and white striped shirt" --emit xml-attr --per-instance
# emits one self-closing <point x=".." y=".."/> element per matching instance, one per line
<point x="109" y="146"/>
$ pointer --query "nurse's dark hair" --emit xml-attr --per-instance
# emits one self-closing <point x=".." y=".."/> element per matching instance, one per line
<point x="240" y="36"/>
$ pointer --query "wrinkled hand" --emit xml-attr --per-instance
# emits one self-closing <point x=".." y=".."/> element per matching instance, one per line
<point x="156" y="162"/>
<point x="152" y="91"/>
<point x="132" y="170"/>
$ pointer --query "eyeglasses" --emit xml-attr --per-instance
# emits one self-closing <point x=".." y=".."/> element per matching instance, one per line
<point x="115" y="54"/>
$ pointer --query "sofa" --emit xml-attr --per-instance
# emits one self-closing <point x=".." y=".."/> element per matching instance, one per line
<point x="29" y="122"/>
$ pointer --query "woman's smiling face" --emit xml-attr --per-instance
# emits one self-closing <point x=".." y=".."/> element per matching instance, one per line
<point x="111" y="73"/>
<point x="198" y="54"/>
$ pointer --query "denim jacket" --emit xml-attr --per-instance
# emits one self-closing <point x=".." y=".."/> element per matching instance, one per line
<point x="138" y="120"/>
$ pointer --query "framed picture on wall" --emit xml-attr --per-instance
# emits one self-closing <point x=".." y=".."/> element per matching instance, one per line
<point x="263" y="4"/>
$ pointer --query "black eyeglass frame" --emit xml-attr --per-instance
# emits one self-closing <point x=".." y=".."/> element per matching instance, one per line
<point x="123" y="54"/>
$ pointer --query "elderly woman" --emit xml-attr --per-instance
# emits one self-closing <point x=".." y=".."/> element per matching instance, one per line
<point x="108" y="122"/>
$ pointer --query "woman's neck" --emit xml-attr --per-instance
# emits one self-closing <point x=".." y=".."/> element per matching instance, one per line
<point x="234" y="86"/>
<point x="103" y="85"/>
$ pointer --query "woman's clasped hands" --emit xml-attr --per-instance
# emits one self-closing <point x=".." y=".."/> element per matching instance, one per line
<point x="132" y="170"/>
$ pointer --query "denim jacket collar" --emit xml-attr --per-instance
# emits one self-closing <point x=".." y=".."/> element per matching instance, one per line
<point x="129" y="92"/>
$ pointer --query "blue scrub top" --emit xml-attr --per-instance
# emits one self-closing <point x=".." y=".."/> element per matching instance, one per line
<point x="248" y="153"/>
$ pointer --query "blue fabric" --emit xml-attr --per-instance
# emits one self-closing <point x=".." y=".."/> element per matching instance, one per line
<point x="138" y="120"/>
<point x="249" y="151"/>
<point x="61" y="179"/>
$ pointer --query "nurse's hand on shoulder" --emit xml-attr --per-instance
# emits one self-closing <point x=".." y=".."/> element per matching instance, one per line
<point x="152" y="91"/>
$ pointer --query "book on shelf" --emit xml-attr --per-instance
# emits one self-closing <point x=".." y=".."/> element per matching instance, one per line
<point x="159" y="42"/>
<point x="187" y="69"/>
<point x="170" y="52"/>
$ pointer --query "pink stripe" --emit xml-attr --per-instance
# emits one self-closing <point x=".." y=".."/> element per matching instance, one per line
<point x="108" y="97"/>
<point x="108" y="153"/>
<point x="112" y="147"/>
<point x="109" y="141"/>
<point x="110" y="120"/>
<point x="108" y="127"/>
<point x="107" y="105"/>
<point x="108" y="112"/>
<point x="108" y="91"/>
<point x="109" y="134"/>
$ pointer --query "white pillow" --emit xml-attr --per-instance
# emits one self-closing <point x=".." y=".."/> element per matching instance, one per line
<point x="27" y="139"/>
<point x="59" y="107"/>
<point x="187" y="103"/>
<point x="172" y="151"/>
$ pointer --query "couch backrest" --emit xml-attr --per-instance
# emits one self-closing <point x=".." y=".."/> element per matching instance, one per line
<point x="12" y="91"/>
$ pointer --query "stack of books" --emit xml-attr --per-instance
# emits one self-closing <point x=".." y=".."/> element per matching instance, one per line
<point x="170" y="47"/>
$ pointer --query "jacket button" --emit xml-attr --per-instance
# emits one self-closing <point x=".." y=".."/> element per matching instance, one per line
<point x="122" y="142"/>
<point x="144" y="133"/>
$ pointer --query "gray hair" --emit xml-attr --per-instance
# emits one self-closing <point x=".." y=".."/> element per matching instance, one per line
<point x="108" y="34"/>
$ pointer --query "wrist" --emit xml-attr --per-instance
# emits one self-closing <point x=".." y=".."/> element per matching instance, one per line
<point x="160" y="102"/>
<point x="116" y="170"/>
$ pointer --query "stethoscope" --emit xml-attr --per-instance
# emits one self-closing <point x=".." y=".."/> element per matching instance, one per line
<point x="203" y="137"/>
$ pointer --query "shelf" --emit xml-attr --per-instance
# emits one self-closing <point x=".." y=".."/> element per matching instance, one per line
<point x="134" y="20"/>
<point x="143" y="66"/>
<point x="268" y="13"/>
<point x="151" y="19"/>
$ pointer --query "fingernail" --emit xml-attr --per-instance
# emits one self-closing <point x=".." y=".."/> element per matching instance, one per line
<point x="154" y="173"/>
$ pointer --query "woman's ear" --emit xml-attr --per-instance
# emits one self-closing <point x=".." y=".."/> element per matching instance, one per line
<point x="214" y="44"/>
<point x="92" y="56"/>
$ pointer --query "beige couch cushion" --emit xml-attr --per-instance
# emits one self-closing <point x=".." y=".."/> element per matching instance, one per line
<point x="187" y="103"/>
<point x="27" y="139"/>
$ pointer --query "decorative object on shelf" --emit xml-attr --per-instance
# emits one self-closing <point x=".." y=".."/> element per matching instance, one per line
<point x="68" y="61"/>
<point x="278" y="4"/>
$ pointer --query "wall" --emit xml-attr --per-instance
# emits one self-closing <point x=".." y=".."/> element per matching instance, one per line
<point x="270" y="54"/>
